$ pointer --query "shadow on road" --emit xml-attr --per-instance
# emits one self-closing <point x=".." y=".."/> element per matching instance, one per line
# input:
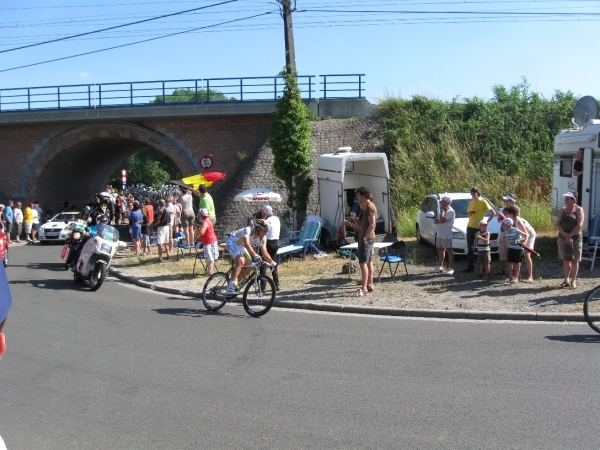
<point x="53" y="267"/>
<point x="579" y="338"/>
<point x="191" y="312"/>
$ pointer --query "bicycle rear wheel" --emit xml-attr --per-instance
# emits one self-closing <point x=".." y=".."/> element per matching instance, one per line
<point x="258" y="301"/>
<point x="591" y="309"/>
<point x="214" y="294"/>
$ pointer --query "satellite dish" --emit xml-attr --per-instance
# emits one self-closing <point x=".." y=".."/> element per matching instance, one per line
<point x="585" y="109"/>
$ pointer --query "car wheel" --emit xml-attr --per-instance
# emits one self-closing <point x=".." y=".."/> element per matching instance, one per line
<point x="420" y="239"/>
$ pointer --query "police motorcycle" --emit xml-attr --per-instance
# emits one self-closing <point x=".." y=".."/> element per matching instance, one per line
<point x="96" y="253"/>
<point x="77" y="232"/>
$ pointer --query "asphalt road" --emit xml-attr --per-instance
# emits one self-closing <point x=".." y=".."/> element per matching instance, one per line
<point x="129" y="368"/>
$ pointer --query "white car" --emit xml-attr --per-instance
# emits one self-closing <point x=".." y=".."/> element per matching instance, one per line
<point x="55" y="229"/>
<point x="430" y="209"/>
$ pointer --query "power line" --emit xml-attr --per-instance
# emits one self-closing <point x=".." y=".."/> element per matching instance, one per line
<point x="117" y="26"/>
<point x="134" y="43"/>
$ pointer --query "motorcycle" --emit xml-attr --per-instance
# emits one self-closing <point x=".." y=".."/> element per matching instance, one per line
<point x="96" y="255"/>
<point x="75" y="234"/>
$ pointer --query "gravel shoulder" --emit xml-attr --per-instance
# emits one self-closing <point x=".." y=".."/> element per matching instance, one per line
<point x="321" y="280"/>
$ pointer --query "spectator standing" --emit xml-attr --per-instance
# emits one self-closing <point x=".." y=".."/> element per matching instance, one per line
<point x="146" y="249"/>
<point x="476" y="209"/>
<point x="209" y="241"/>
<point x="170" y="208"/>
<point x="366" y="239"/>
<point x="569" y="225"/>
<point x="135" y="225"/>
<point x="523" y="225"/>
<point x="206" y="202"/>
<point x="2" y="226"/>
<point x="578" y="172"/>
<point x="28" y="221"/>
<point x="8" y="218"/>
<point x="514" y="236"/>
<point x="18" y="221"/>
<point x="272" y="237"/>
<point x="509" y="200"/>
<point x="482" y="240"/>
<point x="35" y="210"/>
<point x="161" y="222"/>
<point x="187" y="215"/>
<point x="443" y="226"/>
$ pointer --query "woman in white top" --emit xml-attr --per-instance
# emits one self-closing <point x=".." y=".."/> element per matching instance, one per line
<point x="187" y="215"/>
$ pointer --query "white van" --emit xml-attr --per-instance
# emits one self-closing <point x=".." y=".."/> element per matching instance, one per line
<point x="585" y="136"/>
<point x="339" y="174"/>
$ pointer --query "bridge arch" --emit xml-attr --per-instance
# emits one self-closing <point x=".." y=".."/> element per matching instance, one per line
<point x="76" y="163"/>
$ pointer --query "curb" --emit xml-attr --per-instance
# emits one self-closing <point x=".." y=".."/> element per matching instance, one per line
<point x="374" y="310"/>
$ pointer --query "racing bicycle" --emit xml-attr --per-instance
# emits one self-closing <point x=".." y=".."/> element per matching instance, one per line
<point x="259" y="292"/>
<point x="591" y="309"/>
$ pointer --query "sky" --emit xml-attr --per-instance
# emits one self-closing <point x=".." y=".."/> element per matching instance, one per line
<point x="437" y="48"/>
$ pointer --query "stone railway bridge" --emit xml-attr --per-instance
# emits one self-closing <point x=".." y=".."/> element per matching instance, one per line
<point x="67" y="155"/>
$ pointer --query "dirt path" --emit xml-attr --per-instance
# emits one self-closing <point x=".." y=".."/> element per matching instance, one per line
<point x="321" y="280"/>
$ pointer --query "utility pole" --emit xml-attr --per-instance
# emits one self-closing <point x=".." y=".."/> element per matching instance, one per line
<point x="288" y="28"/>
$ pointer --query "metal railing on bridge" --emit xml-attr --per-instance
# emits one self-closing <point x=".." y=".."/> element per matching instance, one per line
<point x="171" y="92"/>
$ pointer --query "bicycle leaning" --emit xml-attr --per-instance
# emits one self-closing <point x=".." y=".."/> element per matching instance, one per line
<point x="259" y="292"/>
<point x="591" y="309"/>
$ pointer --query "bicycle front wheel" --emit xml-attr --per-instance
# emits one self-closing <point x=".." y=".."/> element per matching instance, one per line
<point x="257" y="301"/>
<point x="591" y="309"/>
<point x="214" y="294"/>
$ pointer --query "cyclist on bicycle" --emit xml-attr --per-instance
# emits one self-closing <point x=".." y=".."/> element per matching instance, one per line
<point x="241" y="244"/>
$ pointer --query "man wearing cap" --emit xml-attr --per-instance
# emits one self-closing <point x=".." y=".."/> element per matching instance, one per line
<point x="509" y="200"/>
<point x="443" y="242"/>
<point x="18" y="221"/>
<point x="272" y="236"/>
<point x="477" y="209"/>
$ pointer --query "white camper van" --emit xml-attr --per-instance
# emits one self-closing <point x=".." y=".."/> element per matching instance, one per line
<point x="339" y="174"/>
<point x="584" y="136"/>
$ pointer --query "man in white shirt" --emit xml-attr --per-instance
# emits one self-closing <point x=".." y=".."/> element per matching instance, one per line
<point x="170" y="207"/>
<point x="272" y="237"/>
<point x="18" y="221"/>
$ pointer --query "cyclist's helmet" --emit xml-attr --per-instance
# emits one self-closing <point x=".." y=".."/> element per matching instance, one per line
<point x="104" y="197"/>
<point x="260" y="224"/>
<point x="102" y="218"/>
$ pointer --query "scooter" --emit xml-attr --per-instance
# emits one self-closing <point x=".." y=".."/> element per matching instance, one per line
<point x="96" y="255"/>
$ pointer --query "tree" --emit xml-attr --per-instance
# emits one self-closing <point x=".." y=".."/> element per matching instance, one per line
<point x="289" y="136"/>
<point x="188" y="95"/>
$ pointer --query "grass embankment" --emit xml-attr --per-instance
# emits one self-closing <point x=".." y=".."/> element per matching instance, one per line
<point x="503" y="145"/>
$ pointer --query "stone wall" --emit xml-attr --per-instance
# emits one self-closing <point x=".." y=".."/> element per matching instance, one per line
<point x="362" y="134"/>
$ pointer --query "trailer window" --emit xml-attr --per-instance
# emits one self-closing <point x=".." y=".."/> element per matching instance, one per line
<point x="566" y="167"/>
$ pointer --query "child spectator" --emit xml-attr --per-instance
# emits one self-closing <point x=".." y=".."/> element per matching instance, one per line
<point x="482" y="240"/>
<point x="146" y="250"/>
<point x="512" y="213"/>
<point x="515" y="252"/>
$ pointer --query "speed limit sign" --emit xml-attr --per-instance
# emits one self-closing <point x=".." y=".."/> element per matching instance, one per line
<point x="206" y="162"/>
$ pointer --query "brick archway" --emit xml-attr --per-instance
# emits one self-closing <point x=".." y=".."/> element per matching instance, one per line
<point x="76" y="163"/>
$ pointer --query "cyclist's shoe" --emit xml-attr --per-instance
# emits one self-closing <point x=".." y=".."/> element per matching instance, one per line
<point x="231" y="291"/>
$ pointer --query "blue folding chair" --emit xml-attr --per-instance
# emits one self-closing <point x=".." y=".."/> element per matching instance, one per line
<point x="306" y="241"/>
<point x="178" y="243"/>
<point x="393" y="255"/>
<point x="589" y="250"/>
